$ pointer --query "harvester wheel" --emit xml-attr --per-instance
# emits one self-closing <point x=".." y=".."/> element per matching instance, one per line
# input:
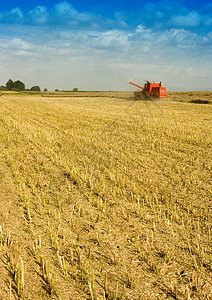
<point x="144" y="96"/>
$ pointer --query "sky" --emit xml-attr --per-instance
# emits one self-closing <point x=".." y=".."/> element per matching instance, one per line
<point x="102" y="45"/>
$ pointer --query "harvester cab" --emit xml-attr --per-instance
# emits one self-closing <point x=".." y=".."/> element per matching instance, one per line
<point x="150" y="90"/>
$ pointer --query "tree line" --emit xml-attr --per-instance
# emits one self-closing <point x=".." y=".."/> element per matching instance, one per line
<point x="18" y="86"/>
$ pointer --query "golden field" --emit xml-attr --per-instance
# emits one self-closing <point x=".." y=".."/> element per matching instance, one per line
<point x="104" y="197"/>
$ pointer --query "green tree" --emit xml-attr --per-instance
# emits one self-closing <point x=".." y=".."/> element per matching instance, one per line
<point x="45" y="90"/>
<point x="9" y="85"/>
<point x="18" y="86"/>
<point x="35" y="88"/>
<point x="3" y="88"/>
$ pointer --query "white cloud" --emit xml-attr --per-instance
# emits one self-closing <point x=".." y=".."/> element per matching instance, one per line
<point x="182" y="38"/>
<point x="14" y="16"/>
<point x="19" y="43"/>
<point x="142" y="29"/>
<point x="39" y="15"/>
<point x="195" y="73"/>
<point x="112" y="39"/>
<point x="63" y="12"/>
<point x="15" y="43"/>
<point x="192" y="19"/>
<point x="23" y="53"/>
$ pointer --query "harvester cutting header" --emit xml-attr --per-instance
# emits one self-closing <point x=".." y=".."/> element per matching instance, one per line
<point x="150" y="90"/>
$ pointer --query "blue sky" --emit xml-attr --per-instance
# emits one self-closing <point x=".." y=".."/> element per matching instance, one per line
<point x="103" y="45"/>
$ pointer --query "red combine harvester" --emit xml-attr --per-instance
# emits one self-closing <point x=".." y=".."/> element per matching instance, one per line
<point x="150" y="90"/>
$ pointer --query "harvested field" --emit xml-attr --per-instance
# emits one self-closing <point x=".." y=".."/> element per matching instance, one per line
<point x="104" y="197"/>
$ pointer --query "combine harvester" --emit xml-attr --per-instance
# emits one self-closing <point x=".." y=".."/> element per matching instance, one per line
<point x="150" y="90"/>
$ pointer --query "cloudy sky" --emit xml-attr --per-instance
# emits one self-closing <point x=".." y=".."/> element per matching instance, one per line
<point x="102" y="45"/>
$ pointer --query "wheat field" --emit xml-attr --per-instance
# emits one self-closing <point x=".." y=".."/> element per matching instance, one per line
<point x="104" y="197"/>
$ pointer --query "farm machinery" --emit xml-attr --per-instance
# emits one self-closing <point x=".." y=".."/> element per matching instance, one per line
<point x="150" y="90"/>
